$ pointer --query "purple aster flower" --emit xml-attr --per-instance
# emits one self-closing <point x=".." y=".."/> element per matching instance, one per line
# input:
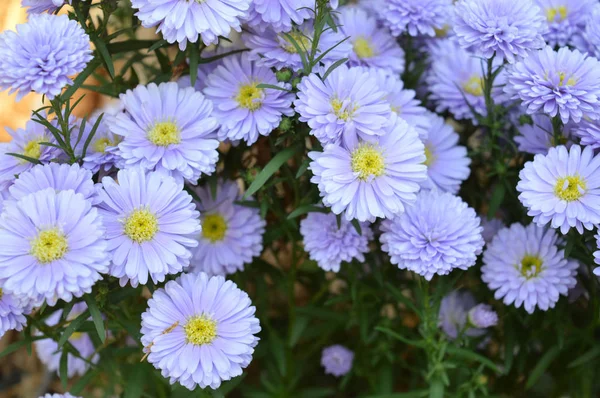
<point x="65" y="395"/>
<point x="588" y="131"/>
<point x="42" y="55"/>
<point x="371" y="179"/>
<point x="483" y="316"/>
<point x="40" y="6"/>
<point x="565" y="19"/>
<point x="12" y="312"/>
<point x="561" y="188"/>
<point x="280" y="15"/>
<point x="52" y="246"/>
<point x="103" y="151"/>
<point x="502" y="27"/>
<point x="456" y="81"/>
<point x="26" y="142"/>
<point x="329" y="245"/>
<point x="200" y="330"/>
<point x="49" y="353"/>
<point x="447" y="162"/>
<point x="372" y="46"/>
<point x="149" y="221"/>
<point x="490" y="228"/>
<point x="344" y="108"/>
<point x="337" y="360"/>
<point x="273" y="49"/>
<point x="564" y="82"/>
<point x="417" y="17"/>
<point x="244" y="110"/>
<point x="453" y="315"/>
<point x="539" y="137"/>
<point x="182" y="20"/>
<point x="525" y="267"/>
<point x="168" y="129"/>
<point x="438" y="234"/>
<point x="588" y="41"/>
<point x="231" y="233"/>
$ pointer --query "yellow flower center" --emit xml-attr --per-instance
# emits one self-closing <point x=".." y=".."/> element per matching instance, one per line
<point x="49" y="246"/>
<point x="164" y="134"/>
<point x="249" y="96"/>
<point x="102" y="143"/>
<point x="570" y="81"/>
<point x="560" y="11"/>
<point x="141" y="226"/>
<point x="214" y="227"/>
<point x="76" y="336"/>
<point x="363" y="48"/>
<point x="200" y="330"/>
<point x="367" y="161"/>
<point x="342" y="112"/>
<point x="32" y="149"/>
<point x="300" y="39"/>
<point x="570" y="188"/>
<point x="474" y="86"/>
<point x="531" y="266"/>
<point x="442" y="32"/>
<point x="429" y="157"/>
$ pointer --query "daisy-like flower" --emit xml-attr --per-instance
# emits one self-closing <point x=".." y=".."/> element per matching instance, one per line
<point x="562" y="188"/>
<point x="588" y="131"/>
<point x="539" y="137"/>
<point x="276" y="50"/>
<point x="506" y="28"/>
<point x="438" y="234"/>
<point x="346" y="107"/>
<point x="456" y="81"/>
<point x="200" y="330"/>
<point x="244" y="110"/>
<point x="417" y="17"/>
<point x="60" y="177"/>
<point x="231" y="234"/>
<point x="483" y="316"/>
<point x="183" y="20"/>
<point x="40" y="6"/>
<point x="42" y="55"/>
<point x="12" y="312"/>
<point x="148" y="220"/>
<point x="167" y="129"/>
<point x="52" y="246"/>
<point x="525" y="267"/>
<point x="371" y="179"/>
<point x="65" y="395"/>
<point x="490" y="228"/>
<point x="329" y="245"/>
<point x="280" y="15"/>
<point x="565" y="19"/>
<point x="564" y="82"/>
<point x="49" y="353"/>
<point x="25" y="142"/>
<point x="103" y="151"/>
<point x="454" y="313"/>
<point x="447" y="162"/>
<point x="589" y="39"/>
<point x="372" y="46"/>
<point x="337" y="360"/>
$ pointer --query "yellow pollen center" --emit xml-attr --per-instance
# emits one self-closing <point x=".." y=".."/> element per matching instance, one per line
<point x="474" y="86"/>
<point x="101" y="144"/>
<point x="1" y="293"/>
<point x="141" y="226"/>
<point x="570" y="188"/>
<point x="76" y="336"/>
<point x="429" y="157"/>
<point x="49" y="246"/>
<point x="342" y="112"/>
<point x="250" y="96"/>
<point x="164" y="134"/>
<point x="367" y="161"/>
<point x="300" y="39"/>
<point x="443" y="31"/>
<point x="200" y="330"/>
<point x="32" y="149"/>
<point x="531" y="266"/>
<point x="214" y="227"/>
<point x="560" y="11"/>
<point x="363" y="48"/>
<point x="570" y="81"/>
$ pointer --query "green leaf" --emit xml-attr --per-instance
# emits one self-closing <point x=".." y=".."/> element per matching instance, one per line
<point x="131" y="45"/>
<point x="96" y="317"/>
<point x="306" y="209"/>
<point x="436" y="389"/>
<point x="585" y="358"/>
<point x="194" y="61"/>
<point x="412" y="394"/>
<point x="135" y="382"/>
<point x="496" y="200"/>
<point x="89" y="69"/>
<point x="271" y="168"/>
<point x="467" y="354"/>
<point x="356" y="226"/>
<point x="541" y="366"/>
<point x="62" y="369"/>
<point x="72" y="328"/>
<point x="303" y="167"/>
<point x="272" y="86"/>
<point x="300" y="50"/>
<point x="333" y="67"/>
<point x="298" y="329"/>
<point x="88" y="140"/>
<point x="27" y="158"/>
<point x="18" y="344"/>
<point x="157" y="45"/>
<point x="391" y="333"/>
<point x="106" y="58"/>
<point x="83" y="382"/>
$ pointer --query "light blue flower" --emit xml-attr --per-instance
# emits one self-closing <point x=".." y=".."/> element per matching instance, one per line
<point x="337" y="360"/>
<point x="417" y="17"/>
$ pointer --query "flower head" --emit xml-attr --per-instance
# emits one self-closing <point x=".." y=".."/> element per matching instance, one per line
<point x="42" y="55"/>
<point x="589" y="39"/>
<point x="588" y="131"/>
<point x="417" y="17"/>
<point x="438" y="234"/>
<point x="506" y="28"/>
<point x="279" y="15"/>
<point x="40" y="6"/>
<point x="453" y="315"/>
<point x="483" y="316"/>
<point x="245" y="110"/>
<point x="200" y="330"/>
<point x="167" y="129"/>
<point x="564" y="82"/>
<point x="539" y="137"/>
<point x="12" y="312"/>
<point x="183" y="20"/>
<point x="525" y="267"/>
<point x="231" y="233"/>
<point x="565" y="19"/>
<point x="329" y="245"/>
<point x="65" y="395"/>
<point x="52" y="246"/>
<point x="337" y="360"/>
<point x="371" y="179"/>
<point x="346" y="107"/>
<point x="561" y="188"/>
